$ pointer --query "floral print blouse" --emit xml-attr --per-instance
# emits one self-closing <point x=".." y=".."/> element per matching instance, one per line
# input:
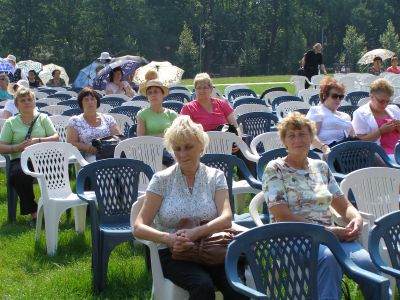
<point x="308" y="193"/>
<point x="178" y="202"/>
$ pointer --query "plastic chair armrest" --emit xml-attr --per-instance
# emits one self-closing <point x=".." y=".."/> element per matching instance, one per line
<point x="337" y="218"/>
<point x="255" y="203"/>
<point x="24" y="166"/>
<point x="338" y="176"/>
<point x="370" y="218"/>
<point x="254" y="183"/>
<point x="246" y="150"/>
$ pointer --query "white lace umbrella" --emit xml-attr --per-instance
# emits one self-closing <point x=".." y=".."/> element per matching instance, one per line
<point x="167" y="73"/>
<point x="368" y="58"/>
<point x="45" y="74"/>
<point x="27" y="65"/>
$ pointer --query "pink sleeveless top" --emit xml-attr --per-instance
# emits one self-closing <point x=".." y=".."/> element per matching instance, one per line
<point x="389" y="139"/>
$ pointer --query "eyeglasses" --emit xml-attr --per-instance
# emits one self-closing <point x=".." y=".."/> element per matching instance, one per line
<point x="336" y="96"/>
<point x="382" y="101"/>
<point x="2" y="78"/>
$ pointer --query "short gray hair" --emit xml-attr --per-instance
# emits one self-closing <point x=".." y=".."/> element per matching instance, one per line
<point x="202" y="78"/>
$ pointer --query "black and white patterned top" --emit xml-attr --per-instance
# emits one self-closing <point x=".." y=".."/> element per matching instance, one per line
<point x="178" y="202"/>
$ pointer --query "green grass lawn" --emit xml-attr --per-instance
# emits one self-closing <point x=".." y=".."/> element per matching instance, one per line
<point x="26" y="272"/>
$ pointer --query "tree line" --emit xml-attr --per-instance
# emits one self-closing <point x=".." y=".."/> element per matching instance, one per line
<point x="246" y="37"/>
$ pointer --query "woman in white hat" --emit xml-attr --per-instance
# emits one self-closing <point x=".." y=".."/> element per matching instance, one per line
<point x="17" y="75"/>
<point x="104" y="58"/>
<point x="10" y="109"/>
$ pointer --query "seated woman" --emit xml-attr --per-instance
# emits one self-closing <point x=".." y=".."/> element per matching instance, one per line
<point x="187" y="189"/>
<point x="377" y="121"/>
<point x="150" y="75"/>
<point x="117" y="86"/>
<point x="89" y="125"/>
<point x="34" y="80"/>
<point x="155" y="119"/>
<point x="394" y="65"/>
<point x="376" y="68"/>
<point x="300" y="189"/>
<point x="56" y="81"/>
<point x="14" y="139"/>
<point x="333" y="126"/>
<point x="10" y="109"/>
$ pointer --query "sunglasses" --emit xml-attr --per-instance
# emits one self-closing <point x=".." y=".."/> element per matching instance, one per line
<point x="336" y="96"/>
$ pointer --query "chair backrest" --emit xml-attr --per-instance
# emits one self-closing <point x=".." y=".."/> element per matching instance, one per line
<point x="305" y="94"/>
<point x="123" y="122"/>
<point x="41" y="104"/>
<point x="351" y="156"/>
<point x="51" y="159"/>
<point x="139" y="98"/>
<point x="40" y="95"/>
<point x="314" y="100"/>
<point x="266" y="157"/>
<point x="174" y="105"/>
<point x="55" y="109"/>
<point x="181" y="97"/>
<point x="273" y="89"/>
<point x="104" y="108"/>
<point x="281" y="99"/>
<point x="350" y="82"/>
<point x="49" y="101"/>
<point x="247" y="100"/>
<point x="70" y="103"/>
<point x="298" y="82"/>
<point x="180" y="91"/>
<point x="266" y="142"/>
<point x="119" y="96"/>
<point x="232" y="87"/>
<point x="354" y="97"/>
<point x="47" y="90"/>
<point x="363" y="101"/>
<point x="130" y="111"/>
<point x="138" y="103"/>
<point x="72" y="112"/>
<point x="248" y="108"/>
<point x="60" y="96"/>
<point x="240" y="92"/>
<point x="148" y="149"/>
<point x="269" y="97"/>
<point x="283" y="258"/>
<point x="177" y="87"/>
<point x="60" y="124"/>
<point x="113" y="101"/>
<point x="255" y="123"/>
<point x="115" y="182"/>
<point x="283" y="109"/>
<point x="316" y="79"/>
<point x="348" y="109"/>
<point x="376" y="189"/>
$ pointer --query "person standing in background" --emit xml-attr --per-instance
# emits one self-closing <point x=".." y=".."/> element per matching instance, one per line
<point x="313" y="60"/>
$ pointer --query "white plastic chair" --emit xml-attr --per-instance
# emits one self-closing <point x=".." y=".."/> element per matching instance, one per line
<point x="123" y="122"/>
<point x="306" y="94"/>
<point x="138" y="103"/>
<point x="186" y="92"/>
<point x="233" y="87"/>
<point x="246" y="108"/>
<point x="269" y="97"/>
<point x="148" y="149"/>
<point x="286" y="107"/>
<point x="316" y="79"/>
<point x="254" y="205"/>
<point x="298" y="82"/>
<point x="366" y="80"/>
<point x="40" y="95"/>
<point x="50" y="163"/>
<point x="269" y="140"/>
<point x="350" y="82"/>
<point x="55" y="109"/>
<point x="60" y="124"/>
<point x="363" y="101"/>
<point x="104" y="108"/>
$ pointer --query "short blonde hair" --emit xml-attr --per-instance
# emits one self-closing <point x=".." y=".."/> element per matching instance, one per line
<point x="150" y="75"/>
<point x="182" y="130"/>
<point x="382" y="86"/>
<point x="295" y="121"/>
<point x="22" y="91"/>
<point x="202" y="78"/>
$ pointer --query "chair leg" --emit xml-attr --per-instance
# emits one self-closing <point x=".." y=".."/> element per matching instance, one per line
<point x="103" y="262"/>
<point x="52" y="218"/>
<point x="39" y="220"/>
<point x="80" y="218"/>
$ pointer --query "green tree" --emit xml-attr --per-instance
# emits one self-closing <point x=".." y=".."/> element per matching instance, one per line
<point x="355" y="46"/>
<point x="187" y="53"/>
<point x="390" y="38"/>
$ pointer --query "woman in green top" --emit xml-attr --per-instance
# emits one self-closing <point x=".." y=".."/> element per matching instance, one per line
<point x="155" y="119"/>
<point x="14" y="140"/>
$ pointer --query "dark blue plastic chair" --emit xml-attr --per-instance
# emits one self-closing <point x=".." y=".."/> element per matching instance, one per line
<point x="40" y="105"/>
<point x="113" y="101"/>
<point x="232" y="95"/>
<point x="177" y="87"/>
<point x="70" y="103"/>
<point x="255" y="123"/>
<point x="314" y="100"/>
<point x="47" y="90"/>
<point x="249" y="100"/>
<point x="354" y="97"/>
<point x="130" y="111"/>
<point x="283" y="259"/>
<point x="266" y="157"/>
<point x="303" y="111"/>
<point x="181" y="97"/>
<point x="174" y="105"/>
<point x="397" y="153"/>
<point x="132" y="131"/>
<point x="60" y="96"/>
<point x="281" y="99"/>
<point x="226" y="163"/>
<point x="139" y="98"/>
<point x="72" y="112"/>
<point x="350" y="156"/>
<point x="348" y="109"/>
<point x="388" y="229"/>
<point x="115" y="182"/>
<point x="274" y="89"/>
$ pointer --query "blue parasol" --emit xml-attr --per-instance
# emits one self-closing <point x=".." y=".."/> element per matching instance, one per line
<point x="6" y="67"/>
<point x="86" y="75"/>
<point x="103" y="77"/>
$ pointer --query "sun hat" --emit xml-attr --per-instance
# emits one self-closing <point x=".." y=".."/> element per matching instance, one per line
<point x="104" y="55"/>
<point x="11" y="57"/>
<point x="152" y="83"/>
<point x="12" y="87"/>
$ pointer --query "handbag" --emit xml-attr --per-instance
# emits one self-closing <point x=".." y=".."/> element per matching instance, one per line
<point x="106" y="146"/>
<point x="227" y="128"/>
<point x="208" y="251"/>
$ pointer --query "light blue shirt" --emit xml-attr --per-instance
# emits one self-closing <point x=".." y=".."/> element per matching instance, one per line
<point x="5" y="95"/>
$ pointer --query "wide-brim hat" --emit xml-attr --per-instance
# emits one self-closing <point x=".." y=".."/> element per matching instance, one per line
<point x="152" y="83"/>
<point x="11" y="89"/>
<point x="104" y="55"/>
<point x="11" y="57"/>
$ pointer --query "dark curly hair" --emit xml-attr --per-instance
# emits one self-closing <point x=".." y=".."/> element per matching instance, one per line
<point x="113" y="71"/>
<point x="85" y="92"/>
